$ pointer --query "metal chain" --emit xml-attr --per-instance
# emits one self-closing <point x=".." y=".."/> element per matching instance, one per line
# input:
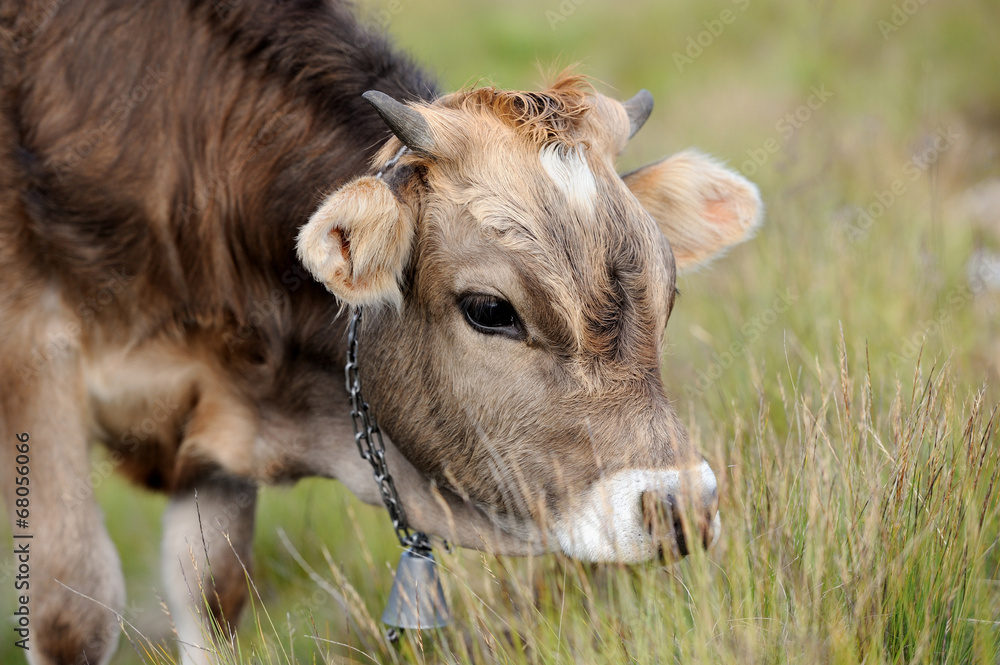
<point x="368" y="436"/>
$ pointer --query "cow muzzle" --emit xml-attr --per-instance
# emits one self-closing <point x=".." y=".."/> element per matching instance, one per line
<point x="635" y="515"/>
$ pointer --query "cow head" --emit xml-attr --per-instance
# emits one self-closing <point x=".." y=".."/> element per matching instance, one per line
<point x="517" y="290"/>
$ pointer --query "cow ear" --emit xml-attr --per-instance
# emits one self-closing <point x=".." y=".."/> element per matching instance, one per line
<point x="358" y="243"/>
<point x="701" y="206"/>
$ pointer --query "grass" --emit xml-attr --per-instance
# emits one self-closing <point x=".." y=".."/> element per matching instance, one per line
<point x="854" y="432"/>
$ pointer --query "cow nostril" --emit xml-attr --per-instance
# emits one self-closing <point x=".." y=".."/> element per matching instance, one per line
<point x="663" y="520"/>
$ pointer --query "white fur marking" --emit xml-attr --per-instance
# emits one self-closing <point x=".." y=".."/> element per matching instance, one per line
<point x="569" y="171"/>
<point x="608" y="523"/>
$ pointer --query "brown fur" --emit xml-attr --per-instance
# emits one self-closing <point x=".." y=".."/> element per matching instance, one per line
<point x="158" y="161"/>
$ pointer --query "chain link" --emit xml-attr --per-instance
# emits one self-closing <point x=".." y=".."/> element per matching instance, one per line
<point x="368" y="438"/>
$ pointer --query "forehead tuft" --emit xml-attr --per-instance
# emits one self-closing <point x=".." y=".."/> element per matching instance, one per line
<point x="551" y="116"/>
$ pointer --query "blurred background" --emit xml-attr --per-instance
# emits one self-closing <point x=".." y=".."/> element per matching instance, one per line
<point x="873" y="132"/>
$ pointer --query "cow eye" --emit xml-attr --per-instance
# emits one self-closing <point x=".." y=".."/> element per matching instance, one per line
<point x="492" y="316"/>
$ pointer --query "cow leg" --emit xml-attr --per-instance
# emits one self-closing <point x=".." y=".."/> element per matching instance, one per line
<point x="75" y="584"/>
<point x="207" y="545"/>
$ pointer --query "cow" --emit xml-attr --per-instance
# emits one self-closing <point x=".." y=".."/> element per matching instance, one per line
<point x="194" y="199"/>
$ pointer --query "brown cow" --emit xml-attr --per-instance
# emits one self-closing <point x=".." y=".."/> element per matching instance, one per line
<point x="167" y="168"/>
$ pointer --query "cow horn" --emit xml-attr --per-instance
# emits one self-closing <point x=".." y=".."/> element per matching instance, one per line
<point x="638" y="109"/>
<point x="406" y="123"/>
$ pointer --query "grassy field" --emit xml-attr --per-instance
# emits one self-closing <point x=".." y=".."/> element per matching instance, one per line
<point x="841" y="371"/>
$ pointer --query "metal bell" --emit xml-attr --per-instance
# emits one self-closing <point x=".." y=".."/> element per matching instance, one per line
<point x="417" y="598"/>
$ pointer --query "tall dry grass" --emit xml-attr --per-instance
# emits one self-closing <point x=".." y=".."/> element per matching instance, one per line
<point x="854" y="433"/>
